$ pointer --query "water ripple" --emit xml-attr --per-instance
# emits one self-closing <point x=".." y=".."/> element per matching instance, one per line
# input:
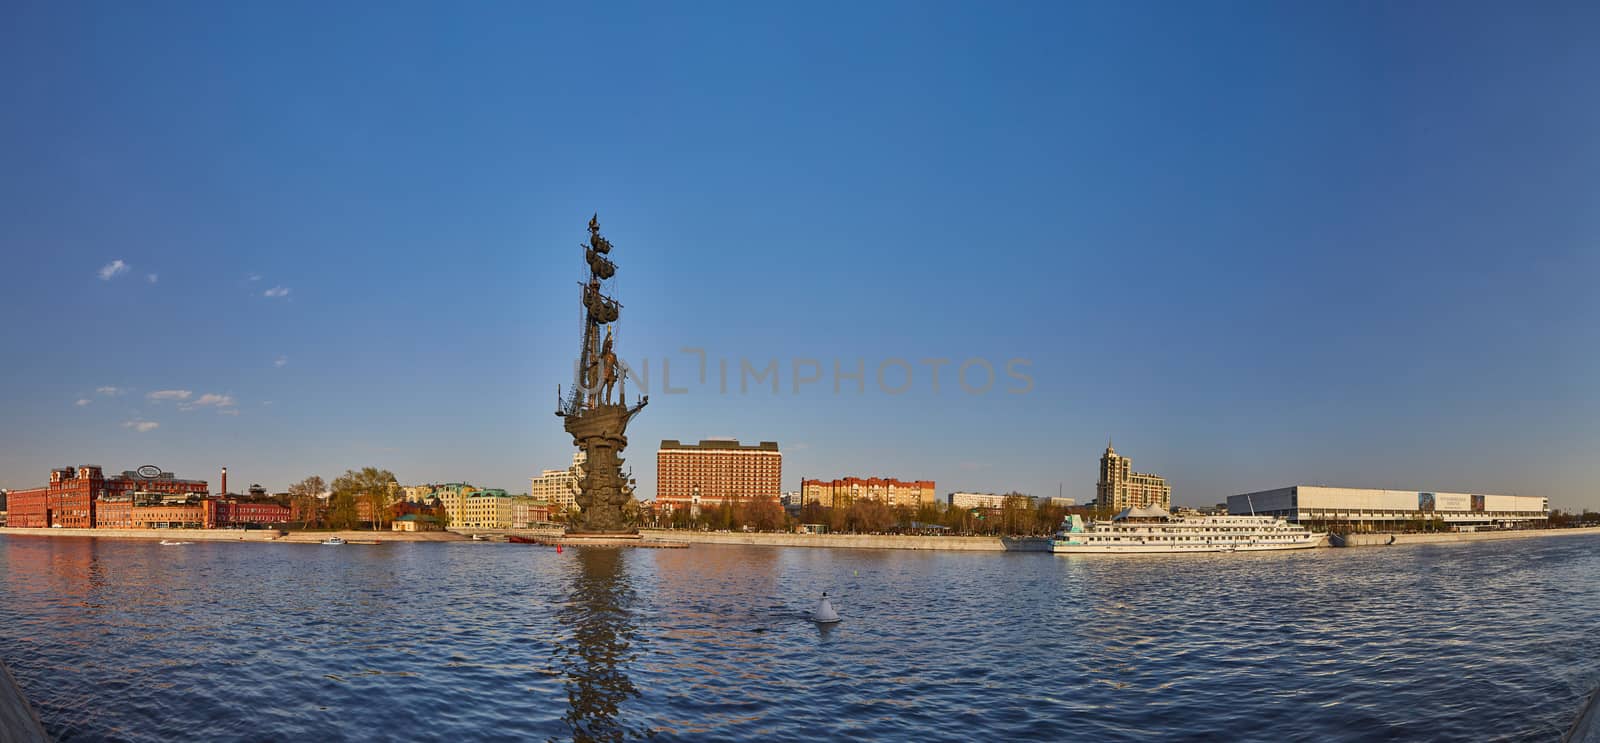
<point x="130" y="641"/>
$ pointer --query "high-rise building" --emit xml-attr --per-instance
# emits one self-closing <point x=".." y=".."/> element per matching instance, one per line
<point x="555" y="487"/>
<point x="716" y="471"/>
<point x="840" y="493"/>
<point x="1120" y="487"/>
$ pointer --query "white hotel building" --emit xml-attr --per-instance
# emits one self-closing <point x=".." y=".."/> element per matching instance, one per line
<point x="1377" y="510"/>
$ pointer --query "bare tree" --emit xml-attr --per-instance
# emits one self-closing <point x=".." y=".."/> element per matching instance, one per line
<point x="306" y="497"/>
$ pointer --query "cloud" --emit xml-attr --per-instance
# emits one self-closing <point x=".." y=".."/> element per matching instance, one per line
<point x="280" y="362"/>
<point x="160" y="395"/>
<point x="276" y="291"/>
<point x="112" y="269"/>
<point x="82" y="401"/>
<point x="141" y="426"/>
<point x="152" y="278"/>
<point x="209" y="400"/>
<point x="254" y="277"/>
<point x="110" y="391"/>
<point x="229" y="411"/>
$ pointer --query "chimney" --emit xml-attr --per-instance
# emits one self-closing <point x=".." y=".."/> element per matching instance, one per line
<point x="224" y="480"/>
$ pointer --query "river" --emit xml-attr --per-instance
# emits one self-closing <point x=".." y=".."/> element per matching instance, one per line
<point x="129" y="640"/>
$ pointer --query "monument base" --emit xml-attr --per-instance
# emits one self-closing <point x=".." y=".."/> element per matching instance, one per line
<point x="603" y="539"/>
<point x="625" y="535"/>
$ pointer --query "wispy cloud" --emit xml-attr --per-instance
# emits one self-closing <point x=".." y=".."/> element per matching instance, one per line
<point x="229" y="411"/>
<point x="152" y="278"/>
<point x="160" y="395"/>
<point x="209" y="400"/>
<point x="113" y="268"/>
<point x="276" y="291"/>
<point x="141" y="426"/>
<point x="82" y="401"/>
<point x="110" y="391"/>
<point x="280" y="362"/>
<point x="254" y="277"/>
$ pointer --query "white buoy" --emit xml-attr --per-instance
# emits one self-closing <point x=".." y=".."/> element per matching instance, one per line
<point x="825" y="613"/>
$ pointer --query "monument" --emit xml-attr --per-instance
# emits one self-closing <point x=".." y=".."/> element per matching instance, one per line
<point x="596" y="411"/>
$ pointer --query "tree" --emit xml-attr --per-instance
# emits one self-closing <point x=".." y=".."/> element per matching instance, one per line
<point x="306" y="498"/>
<point x="371" y="484"/>
<point x="765" y="513"/>
<point x="1017" y="514"/>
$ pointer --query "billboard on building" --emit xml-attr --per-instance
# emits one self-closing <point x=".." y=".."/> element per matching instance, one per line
<point x="1425" y="502"/>
<point x="1477" y="503"/>
<point x="1452" y="501"/>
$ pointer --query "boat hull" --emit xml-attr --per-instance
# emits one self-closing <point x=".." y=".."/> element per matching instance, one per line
<point x="1151" y="549"/>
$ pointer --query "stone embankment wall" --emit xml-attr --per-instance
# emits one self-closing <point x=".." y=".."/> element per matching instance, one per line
<point x="177" y="535"/>
<point x="858" y="541"/>
<point x="1379" y="540"/>
<point x="240" y="535"/>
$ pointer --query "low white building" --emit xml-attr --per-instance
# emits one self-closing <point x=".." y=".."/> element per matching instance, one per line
<point x="1365" y="508"/>
<point x="974" y="500"/>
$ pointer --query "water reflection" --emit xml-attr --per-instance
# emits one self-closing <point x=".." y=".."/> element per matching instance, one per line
<point x="599" y="644"/>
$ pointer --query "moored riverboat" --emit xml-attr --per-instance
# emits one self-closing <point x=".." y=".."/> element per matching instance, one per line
<point x="1153" y="530"/>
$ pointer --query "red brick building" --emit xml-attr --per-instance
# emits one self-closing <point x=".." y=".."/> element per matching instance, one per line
<point x="841" y="493"/>
<point x="234" y="513"/>
<point x="73" y="495"/>
<point x="715" y="472"/>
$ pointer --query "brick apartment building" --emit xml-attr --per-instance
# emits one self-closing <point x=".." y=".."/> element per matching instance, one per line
<point x="715" y="472"/>
<point x="840" y="493"/>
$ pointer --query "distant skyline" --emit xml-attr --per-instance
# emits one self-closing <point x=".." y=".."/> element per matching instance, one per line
<point x="1256" y="245"/>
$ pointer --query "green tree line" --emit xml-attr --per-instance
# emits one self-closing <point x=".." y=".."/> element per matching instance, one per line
<point x="1018" y="515"/>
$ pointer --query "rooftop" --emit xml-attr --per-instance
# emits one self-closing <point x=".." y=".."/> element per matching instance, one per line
<point x="719" y="444"/>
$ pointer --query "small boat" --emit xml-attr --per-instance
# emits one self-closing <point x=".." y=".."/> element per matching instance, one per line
<point x="481" y="537"/>
<point x="333" y="540"/>
<point x="167" y="543"/>
<point x="516" y="539"/>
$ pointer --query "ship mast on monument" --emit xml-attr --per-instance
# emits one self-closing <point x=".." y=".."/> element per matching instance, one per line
<point x="596" y="412"/>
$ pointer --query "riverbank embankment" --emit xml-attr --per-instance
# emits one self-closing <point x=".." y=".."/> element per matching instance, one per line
<point x="19" y="723"/>
<point x="1383" y="540"/>
<point x="239" y="535"/>
<point x="856" y="541"/>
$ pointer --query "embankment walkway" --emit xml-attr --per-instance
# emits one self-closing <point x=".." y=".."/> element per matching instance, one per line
<point x="1381" y="540"/>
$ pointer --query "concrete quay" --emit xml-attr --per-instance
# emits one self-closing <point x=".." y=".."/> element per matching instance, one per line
<point x="1383" y="540"/>
<point x="177" y="535"/>
<point x="855" y="541"/>
<point x="19" y="723"/>
<point x="239" y="535"/>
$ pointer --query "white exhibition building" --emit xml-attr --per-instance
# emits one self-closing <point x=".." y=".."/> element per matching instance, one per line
<point x="1371" y="509"/>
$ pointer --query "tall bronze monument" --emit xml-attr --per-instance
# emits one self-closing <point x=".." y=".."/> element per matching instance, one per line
<point x="596" y="411"/>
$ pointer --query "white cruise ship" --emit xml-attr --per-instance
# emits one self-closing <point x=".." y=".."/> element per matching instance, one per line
<point x="1144" y="530"/>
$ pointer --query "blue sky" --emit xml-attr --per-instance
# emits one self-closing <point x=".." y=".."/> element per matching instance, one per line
<point x="1255" y="243"/>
